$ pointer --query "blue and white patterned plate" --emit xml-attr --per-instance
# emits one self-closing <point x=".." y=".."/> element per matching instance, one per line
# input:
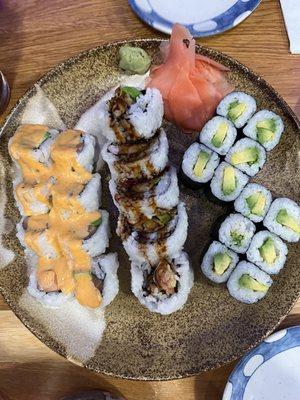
<point x="202" y="18"/>
<point x="270" y="371"/>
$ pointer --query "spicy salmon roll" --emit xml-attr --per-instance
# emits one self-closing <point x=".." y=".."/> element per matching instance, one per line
<point x="128" y="114"/>
<point x="228" y="182"/>
<point x="141" y="160"/>
<point x="268" y="252"/>
<point x="153" y="239"/>
<point x="283" y="219"/>
<point x="253" y="202"/>
<point x="266" y="128"/>
<point x="199" y="163"/>
<point x="163" y="288"/>
<point x="218" y="134"/>
<point x="236" y="232"/>
<point x="136" y="199"/>
<point x="247" y="155"/>
<point x="218" y="262"/>
<point x="248" y="283"/>
<point x="238" y="107"/>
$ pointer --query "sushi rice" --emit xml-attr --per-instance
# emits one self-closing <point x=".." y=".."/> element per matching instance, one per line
<point x="243" y="294"/>
<point x="99" y="241"/>
<point x="217" y="187"/>
<point x="292" y="210"/>
<point x="208" y="134"/>
<point x="255" y="131"/>
<point x="162" y="303"/>
<point x="238" y="107"/>
<point x="236" y="232"/>
<point x="237" y="153"/>
<point x="241" y="205"/>
<point x="190" y="159"/>
<point x="254" y="255"/>
<point x="208" y="262"/>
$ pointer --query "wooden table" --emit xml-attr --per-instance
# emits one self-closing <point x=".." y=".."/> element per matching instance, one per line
<point x="34" y="36"/>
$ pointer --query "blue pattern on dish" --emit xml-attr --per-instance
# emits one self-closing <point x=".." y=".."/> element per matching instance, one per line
<point x="277" y="343"/>
<point x="220" y="23"/>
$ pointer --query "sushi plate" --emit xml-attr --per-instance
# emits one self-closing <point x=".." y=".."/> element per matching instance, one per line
<point x="212" y="328"/>
<point x="204" y="19"/>
<point x="270" y="371"/>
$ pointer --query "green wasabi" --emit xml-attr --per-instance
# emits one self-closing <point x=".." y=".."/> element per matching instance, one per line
<point x="134" y="60"/>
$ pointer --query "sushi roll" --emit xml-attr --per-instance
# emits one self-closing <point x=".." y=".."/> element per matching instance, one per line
<point x="248" y="283"/>
<point x="253" y="202"/>
<point x="236" y="232"/>
<point x="143" y="198"/>
<point x="218" y="134"/>
<point x="283" y="219"/>
<point x="128" y="114"/>
<point x="105" y="277"/>
<point x="238" y="107"/>
<point x="268" y="252"/>
<point x="33" y="199"/>
<point x="266" y="127"/>
<point x="163" y="238"/>
<point x="218" y="262"/>
<point x="227" y="182"/>
<point x="98" y="237"/>
<point x="247" y="155"/>
<point x="164" y="287"/>
<point x="199" y="163"/>
<point x="141" y="160"/>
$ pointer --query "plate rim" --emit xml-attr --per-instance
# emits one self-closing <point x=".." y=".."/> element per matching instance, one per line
<point x="166" y="26"/>
<point x="54" y="344"/>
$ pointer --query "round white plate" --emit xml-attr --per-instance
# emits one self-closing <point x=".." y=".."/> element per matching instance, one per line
<point x="202" y="18"/>
<point x="270" y="371"/>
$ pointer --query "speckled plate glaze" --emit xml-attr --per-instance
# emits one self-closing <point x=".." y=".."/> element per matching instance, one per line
<point x="212" y="328"/>
<point x="200" y="18"/>
<point x="270" y="371"/>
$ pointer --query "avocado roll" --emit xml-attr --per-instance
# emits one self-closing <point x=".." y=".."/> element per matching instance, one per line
<point x="283" y="219"/>
<point x="105" y="277"/>
<point x="227" y="182"/>
<point x="268" y="252"/>
<point x="238" y="107"/>
<point x="156" y="238"/>
<point x="253" y="202"/>
<point x="199" y="163"/>
<point x="139" y="199"/>
<point x="128" y="114"/>
<point x="236" y="232"/>
<point x="164" y="287"/>
<point x="266" y="128"/>
<point x="97" y="239"/>
<point x="140" y="160"/>
<point x="247" y="155"/>
<point x="218" y="262"/>
<point x="248" y="283"/>
<point x="218" y="134"/>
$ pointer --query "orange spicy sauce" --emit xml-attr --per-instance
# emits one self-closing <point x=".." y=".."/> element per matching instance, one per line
<point x="64" y="227"/>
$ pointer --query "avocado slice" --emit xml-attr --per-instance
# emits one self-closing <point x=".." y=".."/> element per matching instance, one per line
<point x="249" y="155"/>
<point x="132" y="92"/>
<point x="264" y="135"/>
<point x="268" y="251"/>
<point x="256" y="203"/>
<point x="285" y="219"/>
<point x="237" y="238"/>
<point x="201" y="163"/>
<point x="96" y="223"/>
<point x="220" y="135"/>
<point x="247" y="282"/>
<point x="164" y="218"/>
<point x="235" y="110"/>
<point x="269" y="124"/>
<point x="229" y="184"/>
<point x="221" y="263"/>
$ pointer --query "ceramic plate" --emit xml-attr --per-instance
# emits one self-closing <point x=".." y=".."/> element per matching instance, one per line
<point x="204" y="18"/>
<point x="270" y="371"/>
<point x="212" y="328"/>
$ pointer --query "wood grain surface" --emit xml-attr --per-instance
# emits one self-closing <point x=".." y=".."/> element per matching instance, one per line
<point x="34" y="36"/>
